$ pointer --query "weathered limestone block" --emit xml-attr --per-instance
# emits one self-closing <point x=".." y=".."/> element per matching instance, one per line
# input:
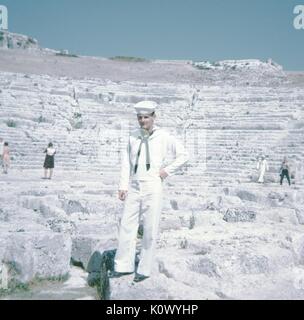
<point x="254" y="264"/>
<point x="300" y="215"/>
<point x="278" y="199"/>
<point x="72" y="206"/>
<point x="246" y="195"/>
<point x="226" y="202"/>
<point x="239" y="215"/>
<point x="84" y="246"/>
<point x="42" y="255"/>
<point x="279" y="215"/>
<point x="205" y="266"/>
<point x="185" y="203"/>
<point x="48" y="206"/>
<point x="298" y="246"/>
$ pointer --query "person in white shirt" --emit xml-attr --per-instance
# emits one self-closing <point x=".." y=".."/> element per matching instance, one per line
<point x="141" y="184"/>
<point x="49" y="161"/>
<point x="262" y="166"/>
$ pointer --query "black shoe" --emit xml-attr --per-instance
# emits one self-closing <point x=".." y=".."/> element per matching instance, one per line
<point x="115" y="274"/>
<point x="140" y="277"/>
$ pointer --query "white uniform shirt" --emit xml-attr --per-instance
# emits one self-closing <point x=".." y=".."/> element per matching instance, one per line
<point x="161" y="145"/>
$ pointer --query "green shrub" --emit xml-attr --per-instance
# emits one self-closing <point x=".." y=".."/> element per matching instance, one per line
<point x="31" y="41"/>
<point x="15" y="287"/>
<point x="59" y="278"/>
<point x="77" y="115"/>
<point x="11" y="123"/>
<point x="41" y="119"/>
<point x="192" y="221"/>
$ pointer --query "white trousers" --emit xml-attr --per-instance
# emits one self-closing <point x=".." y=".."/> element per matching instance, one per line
<point x="261" y="174"/>
<point x="144" y="198"/>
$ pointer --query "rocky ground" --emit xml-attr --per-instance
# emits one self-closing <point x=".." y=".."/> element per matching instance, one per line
<point x="241" y="242"/>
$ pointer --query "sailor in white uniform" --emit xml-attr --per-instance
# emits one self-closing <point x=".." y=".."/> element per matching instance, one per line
<point x="142" y="175"/>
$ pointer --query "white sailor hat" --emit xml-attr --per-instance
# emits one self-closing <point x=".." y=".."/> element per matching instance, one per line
<point x="145" y="107"/>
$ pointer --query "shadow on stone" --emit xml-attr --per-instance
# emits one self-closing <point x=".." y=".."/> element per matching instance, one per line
<point x="76" y="263"/>
<point x="98" y="267"/>
<point x="140" y="231"/>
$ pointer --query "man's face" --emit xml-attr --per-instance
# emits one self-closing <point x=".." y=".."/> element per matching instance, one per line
<point x="146" y="121"/>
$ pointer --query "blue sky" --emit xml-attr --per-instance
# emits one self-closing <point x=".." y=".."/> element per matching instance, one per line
<point x="165" y="29"/>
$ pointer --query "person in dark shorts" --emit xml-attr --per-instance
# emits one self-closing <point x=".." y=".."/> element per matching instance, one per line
<point x="49" y="162"/>
<point x="284" y="171"/>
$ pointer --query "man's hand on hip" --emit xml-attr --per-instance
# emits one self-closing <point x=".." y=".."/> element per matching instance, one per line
<point x="122" y="194"/>
<point x="163" y="174"/>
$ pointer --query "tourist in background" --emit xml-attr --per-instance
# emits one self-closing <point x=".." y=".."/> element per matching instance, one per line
<point x="262" y="166"/>
<point x="284" y="171"/>
<point x="49" y="161"/>
<point x="1" y="151"/>
<point x="5" y="158"/>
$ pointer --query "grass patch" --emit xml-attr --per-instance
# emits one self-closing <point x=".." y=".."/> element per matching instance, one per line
<point x="14" y="287"/>
<point x="11" y="123"/>
<point x="41" y="119"/>
<point x="128" y="59"/>
<point x="192" y="222"/>
<point x="77" y="115"/>
<point x="18" y="287"/>
<point x="60" y="278"/>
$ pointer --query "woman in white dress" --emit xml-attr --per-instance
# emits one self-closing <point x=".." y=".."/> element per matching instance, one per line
<point x="262" y="166"/>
